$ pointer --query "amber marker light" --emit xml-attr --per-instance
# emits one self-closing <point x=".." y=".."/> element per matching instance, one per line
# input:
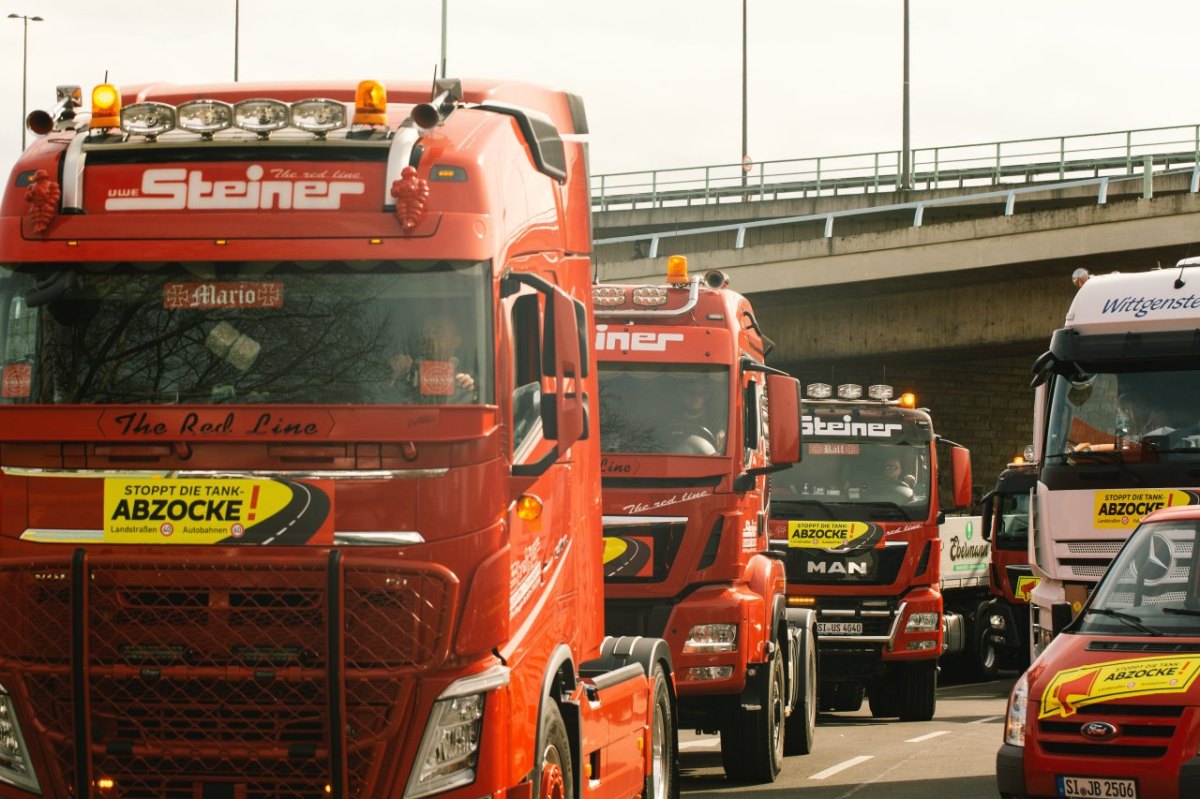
<point x="801" y="601"/>
<point x="529" y="507"/>
<point x="908" y="399"/>
<point x="677" y="269"/>
<point x="106" y="106"/>
<point x="370" y="103"/>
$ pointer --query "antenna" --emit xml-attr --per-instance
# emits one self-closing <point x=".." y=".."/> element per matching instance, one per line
<point x="1179" y="280"/>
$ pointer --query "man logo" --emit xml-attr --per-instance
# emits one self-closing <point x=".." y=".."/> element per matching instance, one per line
<point x="1098" y="731"/>
<point x="837" y="567"/>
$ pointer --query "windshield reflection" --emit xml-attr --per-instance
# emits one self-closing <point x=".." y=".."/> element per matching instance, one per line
<point x="1131" y="416"/>
<point x="664" y="408"/>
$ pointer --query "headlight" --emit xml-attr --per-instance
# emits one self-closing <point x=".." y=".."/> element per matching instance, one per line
<point x="15" y="768"/>
<point x="925" y="622"/>
<point x="711" y="638"/>
<point x="1014" y="724"/>
<point x="450" y="746"/>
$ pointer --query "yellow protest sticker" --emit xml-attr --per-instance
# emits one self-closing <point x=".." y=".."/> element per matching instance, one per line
<point x="825" y="535"/>
<point x="179" y="511"/>
<point x="1117" y="679"/>
<point x="1124" y="509"/>
<point x="1024" y="587"/>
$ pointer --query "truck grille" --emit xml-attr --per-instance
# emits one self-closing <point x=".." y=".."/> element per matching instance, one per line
<point x="253" y="677"/>
<point x="1144" y="731"/>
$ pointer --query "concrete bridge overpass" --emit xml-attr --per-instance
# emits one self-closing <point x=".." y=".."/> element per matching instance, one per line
<point x="947" y="290"/>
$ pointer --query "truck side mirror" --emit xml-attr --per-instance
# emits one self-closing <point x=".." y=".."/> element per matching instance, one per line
<point x="960" y="474"/>
<point x="564" y="413"/>
<point x="783" y="433"/>
<point x="1060" y="617"/>
<point x="987" y="511"/>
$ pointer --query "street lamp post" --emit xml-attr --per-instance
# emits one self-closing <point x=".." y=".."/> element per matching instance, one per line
<point x="906" y="154"/>
<point x="443" y="38"/>
<point x="745" y="144"/>
<point x="25" y="19"/>
<point x="237" y="19"/>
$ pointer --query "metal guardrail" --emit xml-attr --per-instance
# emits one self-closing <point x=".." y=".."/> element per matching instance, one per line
<point x="960" y="166"/>
<point x="916" y="208"/>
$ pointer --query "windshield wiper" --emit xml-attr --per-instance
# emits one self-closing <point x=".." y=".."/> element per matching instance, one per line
<point x="1181" y="611"/>
<point x="1128" y="618"/>
<point x="1105" y="456"/>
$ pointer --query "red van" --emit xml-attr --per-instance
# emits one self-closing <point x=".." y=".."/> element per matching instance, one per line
<point x="1112" y="707"/>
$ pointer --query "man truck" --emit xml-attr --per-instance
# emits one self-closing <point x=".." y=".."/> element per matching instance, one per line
<point x="691" y="422"/>
<point x="857" y="521"/>
<point x="1116" y="428"/>
<point x="237" y="561"/>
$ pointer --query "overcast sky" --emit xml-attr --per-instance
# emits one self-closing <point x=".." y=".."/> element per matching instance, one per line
<point x="662" y="79"/>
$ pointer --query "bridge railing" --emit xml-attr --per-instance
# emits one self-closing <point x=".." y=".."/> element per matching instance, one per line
<point x="913" y="210"/>
<point x="958" y="166"/>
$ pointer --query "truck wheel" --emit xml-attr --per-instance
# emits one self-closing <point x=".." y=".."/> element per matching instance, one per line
<point x="752" y="741"/>
<point x="663" y="780"/>
<point x="801" y="726"/>
<point x="984" y="658"/>
<point x="918" y="693"/>
<point x="555" y="780"/>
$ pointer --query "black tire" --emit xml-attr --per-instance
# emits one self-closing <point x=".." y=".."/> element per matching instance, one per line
<point x="752" y="741"/>
<point x="985" y="661"/>
<point x="801" y="726"/>
<point x="555" y="776"/>
<point x="918" y="691"/>
<point x="663" y="780"/>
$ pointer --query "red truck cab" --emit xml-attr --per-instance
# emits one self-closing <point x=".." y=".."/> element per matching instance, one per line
<point x="1112" y="706"/>
<point x="862" y="545"/>
<point x="297" y="493"/>
<point x="691" y="423"/>
<point x="1011" y="578"/>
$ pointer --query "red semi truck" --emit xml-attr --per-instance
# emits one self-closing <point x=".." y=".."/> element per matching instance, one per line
<point x="1011" y="579"/>
<point x="691" y="422"/>
<point x="858" y="523"/>
<point x="299" y="496"/>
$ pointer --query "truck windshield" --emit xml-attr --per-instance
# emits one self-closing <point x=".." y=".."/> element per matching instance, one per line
<point x="378" y="333"/>
<point x="860" y="473"/>
<point x="1012" y="520"/>
<point x="1154" y="582"/>
<point x="1126" y="416"/>
<point x="664" y="408"/>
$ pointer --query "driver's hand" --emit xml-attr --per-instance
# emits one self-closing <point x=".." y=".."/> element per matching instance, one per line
<point x="465" y="381"/>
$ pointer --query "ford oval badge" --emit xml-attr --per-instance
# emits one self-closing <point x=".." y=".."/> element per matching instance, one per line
<point x="1098" y="731"/>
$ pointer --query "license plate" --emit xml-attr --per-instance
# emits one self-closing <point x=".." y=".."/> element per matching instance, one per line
<point x="1096" y="788"/>
<point x="839" y="628"/>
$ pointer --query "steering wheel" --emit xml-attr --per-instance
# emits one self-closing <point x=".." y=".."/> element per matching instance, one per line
<point x="694" y="438"/>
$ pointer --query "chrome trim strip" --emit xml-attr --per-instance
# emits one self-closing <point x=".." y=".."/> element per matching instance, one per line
<point x="74" y="161"/>
<point x="641" y="521"/>
<point x="63" y="536"/>
<point x="888" y="639"/>
<point x="651" y="313"/>
<point x="404" y="538"/>
<point x="399" y="155"/>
